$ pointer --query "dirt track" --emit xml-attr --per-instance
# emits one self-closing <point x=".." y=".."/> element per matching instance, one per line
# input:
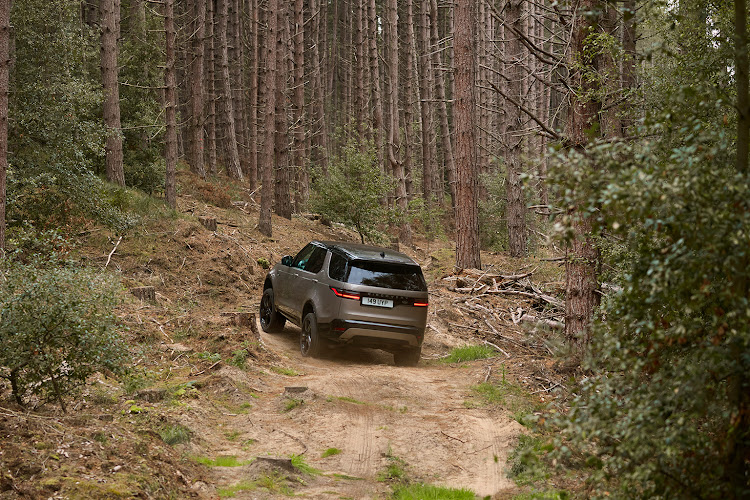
<point x="359" y="402"/>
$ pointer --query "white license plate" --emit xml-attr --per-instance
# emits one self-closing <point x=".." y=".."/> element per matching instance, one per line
<point x="374" y="301"/>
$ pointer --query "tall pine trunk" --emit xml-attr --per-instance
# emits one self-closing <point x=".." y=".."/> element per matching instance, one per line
<point x="582" y="255"/>
<point x="110" y="32"/>
<point x="170" y="103"/>
<point x="515" y="212"/>
<point x="267" y="155"/>
<point x="464" y="110"/>
<point x="230" y="132"/>
<point x="196" y="147"/>
<point x="4" y="78"/>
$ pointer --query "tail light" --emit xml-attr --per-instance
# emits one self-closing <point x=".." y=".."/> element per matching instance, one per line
<point x="420" y="304"/>
<point x="345" y="294"/>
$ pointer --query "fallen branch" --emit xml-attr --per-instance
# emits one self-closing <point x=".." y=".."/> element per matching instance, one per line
<point x="109" y="257"/>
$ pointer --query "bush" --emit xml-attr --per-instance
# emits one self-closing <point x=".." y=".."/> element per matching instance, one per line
<point x="56" y="329"/>
<point x="148" y="177"/>
<point x="351" y="190"/>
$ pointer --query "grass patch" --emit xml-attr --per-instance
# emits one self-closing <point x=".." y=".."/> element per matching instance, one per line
<point x="285" y="371"/>
<point x="292" y="404"/>
<point x="429" y="492"/>
<point x="222" y="461"/>
<point x="330" y="452"/>
<point x="351" y="400"/>
<point x="274" y="483"/>
<point x="527" y="465"/>
<point x="469" y="353"/>
<point x="232" y="435"/>
<point x="543" y="495"/>
<point x="299" y="463"/>
<point x="395" y="470"/>
<point x="231" y="491"/>
<point x="173" y="434"/>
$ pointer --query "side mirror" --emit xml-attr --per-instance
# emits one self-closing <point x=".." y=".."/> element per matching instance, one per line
<point x="287" y="260"/>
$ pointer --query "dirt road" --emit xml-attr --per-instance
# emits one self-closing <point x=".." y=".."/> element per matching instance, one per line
<point x="376" y="414"/>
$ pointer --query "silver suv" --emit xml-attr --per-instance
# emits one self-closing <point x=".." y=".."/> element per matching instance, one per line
<point x="351" y="294"/>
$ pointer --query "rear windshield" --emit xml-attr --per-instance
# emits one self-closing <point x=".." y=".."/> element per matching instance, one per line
<point x="396" y="276"/>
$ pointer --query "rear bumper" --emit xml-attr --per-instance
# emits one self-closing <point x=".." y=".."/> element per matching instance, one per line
<point x="371" y="334"/>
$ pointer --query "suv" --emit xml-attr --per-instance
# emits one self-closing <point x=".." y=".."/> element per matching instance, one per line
<point x="349" y="294"/>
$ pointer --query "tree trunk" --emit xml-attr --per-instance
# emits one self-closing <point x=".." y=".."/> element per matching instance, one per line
<point x="408" y="100"/>
<point x="516" y="208"/>
<point x="582" y="255"/>
<point x="467" y="219"/>
<point x="252" y="131"/>
<point x="211" y="86"/>
<point x="267" y="156"/>
<point x="197" y="92"/>
<point x="447" y="147"/>
<point x="359" y="78"/>
<point x="394" y="125"/>
<point x="377" y="103"/>
<point x="110" y="26"/>
<point x="429" y="185"/>
<point x="170" y="102"/>
<point x="283" y="202"/>
<point x="238" y="85"/>
<point x="300" y="168"/>
<point x="4" y="78"/>
<point x="230" y="133"/>
<point x="319" y="130"/>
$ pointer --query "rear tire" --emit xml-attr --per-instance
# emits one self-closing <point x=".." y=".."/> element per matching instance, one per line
<point x="408" y="357"/>
<point x="310" y="344"/>
<point x="271" y="321"/>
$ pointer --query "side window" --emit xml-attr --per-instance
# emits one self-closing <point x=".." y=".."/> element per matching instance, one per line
<point x="310" y="259"/>
<point x="315" y="262"/>
<point x="337" y="267"/>
<point x="303" y="256"/>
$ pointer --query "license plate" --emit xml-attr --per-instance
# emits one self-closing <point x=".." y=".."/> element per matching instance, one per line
<point x="374" y="301"/>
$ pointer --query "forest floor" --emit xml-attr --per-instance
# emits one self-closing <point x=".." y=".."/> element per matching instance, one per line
<point x="212" y="408"/>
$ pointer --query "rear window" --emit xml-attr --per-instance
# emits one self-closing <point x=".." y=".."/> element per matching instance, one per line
<point x="381" y="274"/>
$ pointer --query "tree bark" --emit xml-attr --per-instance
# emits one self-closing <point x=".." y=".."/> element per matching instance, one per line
<point x="230" y="133"/>
<point x="282" y="200"/>
<point x="252" y="166"/>
<point x="377" y="103"/>
<point x="302" y="193"/>
<point x="319" y="129"/>
<point x="110" y="32"/>
<point x="196" y="146"/>
<point x="516" y="208"/>
<point x="582" y="255"/>
<point x="238" y="85"/>
<point x="467" y="217"/>
<point x="170" y="102"/>
<point x="429" y="184"/>
<point x="5" y="6"/>
<point x="394" y="126"/>
<point x="267" y="156"/>
<point x="446" y="145"/>
<point x="211" y="87"/>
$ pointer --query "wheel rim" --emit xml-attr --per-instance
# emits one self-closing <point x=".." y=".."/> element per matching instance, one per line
<point x="305" y="337"/>
<point x="265" y="310"/>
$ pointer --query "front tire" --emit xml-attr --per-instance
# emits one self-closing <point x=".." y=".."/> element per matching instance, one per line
<point x="310" y="344"/>
<point x="408" y="357"/>
<point x="271" y="320"/>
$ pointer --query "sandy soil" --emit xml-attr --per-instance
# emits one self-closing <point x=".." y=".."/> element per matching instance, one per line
<point x="360" y="403"/>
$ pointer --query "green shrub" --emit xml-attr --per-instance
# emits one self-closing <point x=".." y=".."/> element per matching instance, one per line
<point x="56" y="329"/>
<point x="148" y="177"/>
<point x="351" y="190"/>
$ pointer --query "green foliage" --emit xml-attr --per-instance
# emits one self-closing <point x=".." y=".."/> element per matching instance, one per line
<point x="54" y="331"/>
<point x="148" y="177"/>
<point x="469" y="353"/>
<point x="664" y="413"/>
<point x="330" y="452"/>
<point x="493" y="227"/>
<point x="395" y="469"/>
<point x="429" y="492"/>
<point x="173" y="434"/>
<point x="299" y="463"/>
<point x="222" y="461"/>
<point x="528" y="464"/>
<point x="351" y="190"/>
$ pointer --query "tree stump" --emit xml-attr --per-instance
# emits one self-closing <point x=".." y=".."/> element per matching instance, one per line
<point x="145" y="293"/>
<point x="208" y="222"/>
<point x="240" y="319"/>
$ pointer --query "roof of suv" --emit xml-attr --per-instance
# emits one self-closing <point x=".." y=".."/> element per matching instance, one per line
<point x="369" y="252"/>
